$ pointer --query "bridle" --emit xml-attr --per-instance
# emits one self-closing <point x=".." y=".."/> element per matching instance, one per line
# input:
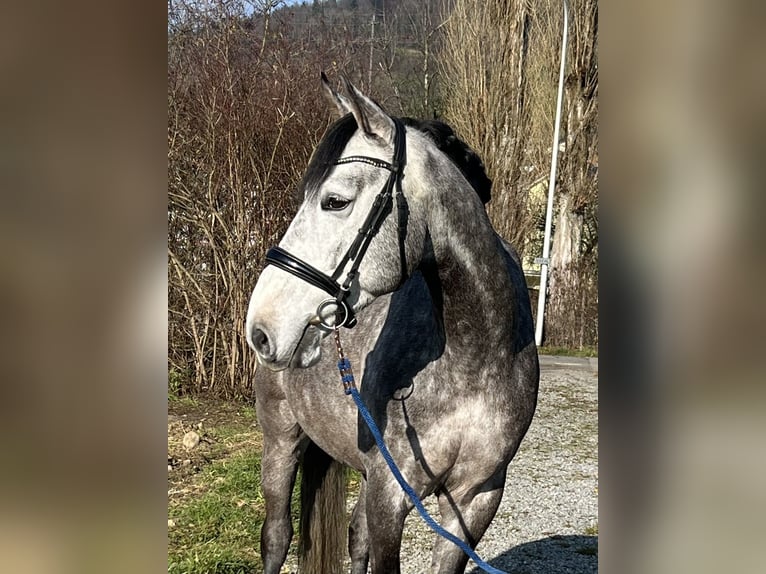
<point x="344" y="314"/>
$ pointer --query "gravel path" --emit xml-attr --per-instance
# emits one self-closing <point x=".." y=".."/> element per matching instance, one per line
<point x="548" y="520"/>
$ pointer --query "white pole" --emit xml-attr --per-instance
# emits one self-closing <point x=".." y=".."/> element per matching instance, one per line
<point x="551" y="185"/>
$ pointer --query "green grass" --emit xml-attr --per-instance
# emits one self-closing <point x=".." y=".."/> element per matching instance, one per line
<point x="216" y="530"/>
<point x="216" y="560"/>
<point x="217" y="512"/>
<point x="241" y="425"/>
<point x="215" y="502"/>
<point x="185" y="402"/>
<point x="565" y="351"/>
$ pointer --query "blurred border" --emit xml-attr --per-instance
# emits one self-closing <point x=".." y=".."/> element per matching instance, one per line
<point x="83" y="286"/>
<point x="682" y="425"/>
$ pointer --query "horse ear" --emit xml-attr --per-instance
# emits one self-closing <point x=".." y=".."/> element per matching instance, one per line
<point x="337" y="101"/>
<point x="369" y="116"/>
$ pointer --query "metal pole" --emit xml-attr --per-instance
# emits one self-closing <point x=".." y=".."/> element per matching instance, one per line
<point x="551" y="185"/>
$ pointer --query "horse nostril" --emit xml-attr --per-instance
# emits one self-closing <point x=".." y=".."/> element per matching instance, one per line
<point x="261" y="344"/>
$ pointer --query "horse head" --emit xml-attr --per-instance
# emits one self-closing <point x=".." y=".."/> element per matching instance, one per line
<point x="351" y="179"/>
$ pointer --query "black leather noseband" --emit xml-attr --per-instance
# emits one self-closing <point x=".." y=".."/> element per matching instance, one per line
<point x="345" y="316"/>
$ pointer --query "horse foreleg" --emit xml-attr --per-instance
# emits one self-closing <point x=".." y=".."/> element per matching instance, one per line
<point x="386" y="507"/>
<point x="358" y="537"/>
<point x="467" y="518"/>
<point x="278" y="469"/>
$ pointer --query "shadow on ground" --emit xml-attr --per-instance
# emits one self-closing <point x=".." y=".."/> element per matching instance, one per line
<point x="553" y="555"/>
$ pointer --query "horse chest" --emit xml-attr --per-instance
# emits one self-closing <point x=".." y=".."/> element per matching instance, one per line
<point x="438" y="412"/>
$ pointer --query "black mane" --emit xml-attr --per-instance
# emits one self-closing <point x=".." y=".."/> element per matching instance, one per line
<point x="339" y="133"/>
<point x="457" y="150"/>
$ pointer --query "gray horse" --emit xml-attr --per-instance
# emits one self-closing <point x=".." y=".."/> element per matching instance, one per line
<point x="443" y="351"/>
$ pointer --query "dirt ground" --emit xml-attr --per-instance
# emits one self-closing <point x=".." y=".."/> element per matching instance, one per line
<point x="225" y="429"/>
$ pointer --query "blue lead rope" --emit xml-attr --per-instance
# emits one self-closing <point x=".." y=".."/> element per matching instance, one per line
<point x="347" y="376"/>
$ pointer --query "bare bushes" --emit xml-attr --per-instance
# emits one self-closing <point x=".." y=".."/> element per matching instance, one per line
<point x="484" y="83"/>
<point x="242" y="121"/>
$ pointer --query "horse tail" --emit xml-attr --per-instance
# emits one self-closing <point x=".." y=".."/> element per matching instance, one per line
<point x="323" y="513"/>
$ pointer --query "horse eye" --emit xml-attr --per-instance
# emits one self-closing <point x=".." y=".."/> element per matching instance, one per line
<point x="335" y="203"/>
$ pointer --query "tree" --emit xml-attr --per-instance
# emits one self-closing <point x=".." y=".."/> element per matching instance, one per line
<point x="573" y="288"/>
<point x="483" y="64"/>
<point x="500" y="64"/>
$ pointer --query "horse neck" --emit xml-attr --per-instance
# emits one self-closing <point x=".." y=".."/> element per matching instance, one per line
<point x="469" y="278"/>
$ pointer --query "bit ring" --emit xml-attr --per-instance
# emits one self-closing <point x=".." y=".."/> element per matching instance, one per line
<point x="340" y="305"/>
